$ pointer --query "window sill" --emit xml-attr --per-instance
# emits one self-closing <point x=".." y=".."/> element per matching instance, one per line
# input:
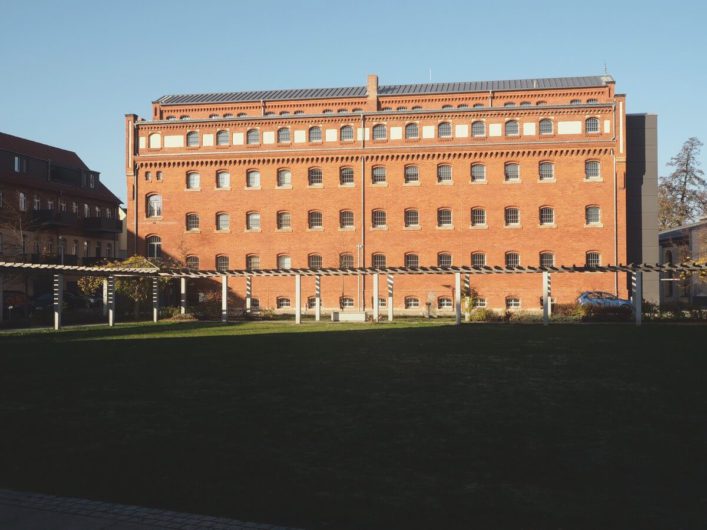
<point x="445" y="227"/>
<point x="347" y="185"/>
<point x="347" y="229"/>
<point x="222" y="189"/>
<point x="284" y="229"/>
<point x="153" y="218"/>
<point x="286" y="187"/>
<point x="512" y="226"/>
<point x="480" y="181"/>
<point x="316" y="229"/>
<point x="252" y="230"/>
<point x="223" y="231"/>
<point x="541" y="181"/>
<point x="547" y="225"/>
<point x="445" y="183"/>
<point x="192" y="189"/>
<point x="516" y="181"/>
<point x="594" y="180"/>
<point x="379" y="184"/>
<point x="315" y="186"/>
<point x="479" y="227"/>
<point x="193" y="231"/>
<point x="379" y="228"/>
<point x="416" y="227"/>
<point x="249" y="188"/>
<point x="411" y="183"/>
<point x="594" y="225"/>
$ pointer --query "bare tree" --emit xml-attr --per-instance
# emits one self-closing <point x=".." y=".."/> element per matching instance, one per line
<point x="682" y="196"/>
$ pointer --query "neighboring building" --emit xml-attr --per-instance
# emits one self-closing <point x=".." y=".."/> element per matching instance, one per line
<point x="676" y="246"/>
<point x="525" y="172"/>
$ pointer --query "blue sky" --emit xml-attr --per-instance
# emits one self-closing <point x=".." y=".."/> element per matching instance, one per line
<point x="71" y="70"/>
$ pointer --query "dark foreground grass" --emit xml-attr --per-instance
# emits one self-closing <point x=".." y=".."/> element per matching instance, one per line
<point x="397" y="426"/>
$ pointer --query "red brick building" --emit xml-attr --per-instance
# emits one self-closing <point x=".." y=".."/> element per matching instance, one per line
<point x="522" y="172"/>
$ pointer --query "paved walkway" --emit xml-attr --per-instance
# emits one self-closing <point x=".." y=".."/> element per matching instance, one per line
<point x="34" y="511"/>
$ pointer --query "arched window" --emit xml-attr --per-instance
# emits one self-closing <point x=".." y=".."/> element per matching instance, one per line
<point x="223" y="221"/>
<point x="547" y="259"/>
<point x="525" y="104"/>
<point x="252" y="221"/>
<point x="512" y="259"/>
<point x="346" y="176"/>
<point x="417" y="107"/>
<point x="378" y="219"/>
<point x="283" y="135"/>
<point x="512" y="128"/>
<point x="412" y="174"/>
<point x="154" y="141"/>
<point x="511" y="172"/>
<point x="222" y="138"/>
<point x="412" y="302"/>
<point x="592" y="101"/>
<point x="23" y="203"/>
<point x="315" y="134"/>
<point x="592" y="215"/>
<point x="478" y="259"/>
<point x="541" y="103"/>
<point x="314" y="261"/>
<point x="509" y="104"/>
<point x="284" y="178"/>
<point x="346" y="261"/>
<point x="444" y="130"/>
<point x="444" y="259"/>
<point x="154" y="247"/>
<point x="447" y="106"/>
<point x="282" y="302"/>
<point x="223" y="180"/>
<point x="193" y="262"/>
<point x="253" y="137"/>
<point x="341" y="111"/>
<point x="591" y="125"/>
<point x="444" y="217"/>
<point x="412" y="260"/>
<point x="346" y="133"/>
<point x="284" y="220"/>
<point x="314" y="220"/>
<point x="228" y="115"/>
<point x="252" y="179"/>
<point x="192" y="221"/>
<point x="192" y="139"/>
<point x="379" y="132"/>
<point x="154" y="205"/>
<point x="462" y="106"/>
<point x="378" y="260"/>
<point x="193" y="181"/>
<point x="444" y="303"/>
<point x="593" y="259"/>
<point x="511" y="216"/>
<point x="478" y="128"/>
<point x="592" y="170"/>
<point x="576" y="102"/>
<point x="327" y="111"/>
<point x="378" y="175"/>
<point x="546" y="171"/>
<point x="241" y="115"/>
<point x="400" y="109"/>
<point x="478" y="173"/>
<point x="411" y="131"/>
<point x="213" y="116"/>
<point x="545" y="126"/>
<point x="252" y="262"/>
<point x="478" y="105"/>
<point x="547" y="215"/>
<point x="478" y="217"/>
<point x="346" y="219"/>
<point x="284" y="261"/>
<point x="444" y="173"/>
<point x="412" y="217"/>
<point x="314" y="177"/>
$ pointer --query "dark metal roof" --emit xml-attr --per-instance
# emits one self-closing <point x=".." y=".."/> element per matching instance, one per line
<point x="388" y="90"/>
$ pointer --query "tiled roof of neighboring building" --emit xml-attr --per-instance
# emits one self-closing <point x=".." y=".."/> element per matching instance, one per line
<point x="388" y="90"/>
<point x="32" y="149"/>
<point x="681" y="231"/>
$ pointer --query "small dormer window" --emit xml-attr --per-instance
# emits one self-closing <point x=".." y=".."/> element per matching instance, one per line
<point x="92" y="181"/>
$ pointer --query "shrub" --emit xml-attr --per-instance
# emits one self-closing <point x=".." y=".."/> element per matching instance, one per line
<point x="523" y="316"/>
<point x="481" y="314"/>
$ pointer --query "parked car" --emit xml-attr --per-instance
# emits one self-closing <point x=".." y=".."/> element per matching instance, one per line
<point x="45" y="301"/>
<point x="601" y="299"/>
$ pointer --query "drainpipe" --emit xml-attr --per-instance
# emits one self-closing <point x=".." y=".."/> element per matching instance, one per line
<point x="616" y="220"/>
<point x="362" y="245"/>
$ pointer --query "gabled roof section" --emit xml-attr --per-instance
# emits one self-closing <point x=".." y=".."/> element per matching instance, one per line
<point x="388" y="90"/>
<point x="32" y="149"/>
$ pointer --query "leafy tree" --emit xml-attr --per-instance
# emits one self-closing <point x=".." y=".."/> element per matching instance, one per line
<point x="682" y="196"/>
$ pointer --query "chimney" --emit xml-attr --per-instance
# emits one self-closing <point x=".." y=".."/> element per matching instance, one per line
<point x="372" y="92"/>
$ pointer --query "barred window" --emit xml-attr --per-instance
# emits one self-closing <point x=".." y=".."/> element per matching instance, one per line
<point x="411" y="131"/>
<point x="346" y="302"/>
<point x="252" y="221"/>
<point x="311" y="302"/>
<point x="222" y="263"/>
<point x="252" y="262"/>
<point x="346" y="219"/>
<point x="478" y="128"/>
<point x="575" y="102"/>
<point x="223" y="180"/>
<point x="547" y="215"/>
<point x="593" y="259"/>
<point x="512" y="302"/>
<point x="478" y="217"/>
<point x="222" y="221"/>
<point x="379" y="132"/>
<point x="346" y="133"/>
<point x="591" y="125"/>
<point x="592" y="169"/>
<point x="546" y="171"/>
<point x="154" y="247"/>
<point x="478" y="105"/>
<point x="346" y="176"/>
<point x="284" y="178"/>
<point x="447" y="106"/>
<point x="478" y="172"/>
<point x="314" y="261"/>
<point x="193" y="181"/>
<point x="509" y="104"/>
<point x="478" y="302"/>
<point x="193" y="139"/>
<point x="284" y="261"/>
<point x="412" y="260"/>
<point x="282" y="302"/>
<point x="478" y="259"/>
<point x="592" y="215"/>
<point x="253" y="136"/>
<point x="512" y="128"/>
<point x="346" y="261"/>
<point x="154" y="205"/>
<point x="401" y="108"/>
<point x="412" y="174"/>
<point x="444" y="130"/>
<point x="379" y="261"/>
<point x="444" y="217"/>
<point x="382" y="302"/>
<point x="411" y="302"/>
<point x="283" y="135"/>
<point x="222" y="138"/>
<point x="444" y="259"/>
<point x="511" y="172"/>
<point x="327" y="111"/>
<point x="512" y="259"/>
<point x="193" y="262"/>
<point x="314" y="220"/>
<point x="444" y="173"/>
<point x="444" y="302"/>
<point x="592" y="101"/>
<point x="315" y="134"/>
<point x="546" y="126"/>
<point x="547" y="259"/>
<point x="252" y="179"/>
<point x="342" y="111"/>
<point x="378" y="218"/>
<point x="378" y="175"/>
<point x="511" y="216"/>
<point x="525" y="103"/>
<point x="192" y="221"/>
<point x="284" y="220"/>
<point x="314" y="177"/>
<point x="412" y="218"/>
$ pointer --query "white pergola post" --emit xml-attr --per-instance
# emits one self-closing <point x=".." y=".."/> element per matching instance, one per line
<point x="317" y="298"/>
<point x="390" y="297"/>
<point x="155" y="299"/>
<point x="376" y="300"/>
<point x="111" y="301"/>
<point x="2" y="301"/>
<point x="547" y="300"/>
<point x="105" y="297"/>
<point x="58" y="299"/>
<point x="224" y="298"/>
<point x="248" y="293"/>
<point x="183" y="295"/>
<point x="458" y="298"/>
<point x="298" y="298"/>
<point x="638" y="297"/>
<point x="467" y="294"/>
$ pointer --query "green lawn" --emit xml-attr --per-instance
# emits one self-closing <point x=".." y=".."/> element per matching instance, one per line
<point x="403" y="425"/>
